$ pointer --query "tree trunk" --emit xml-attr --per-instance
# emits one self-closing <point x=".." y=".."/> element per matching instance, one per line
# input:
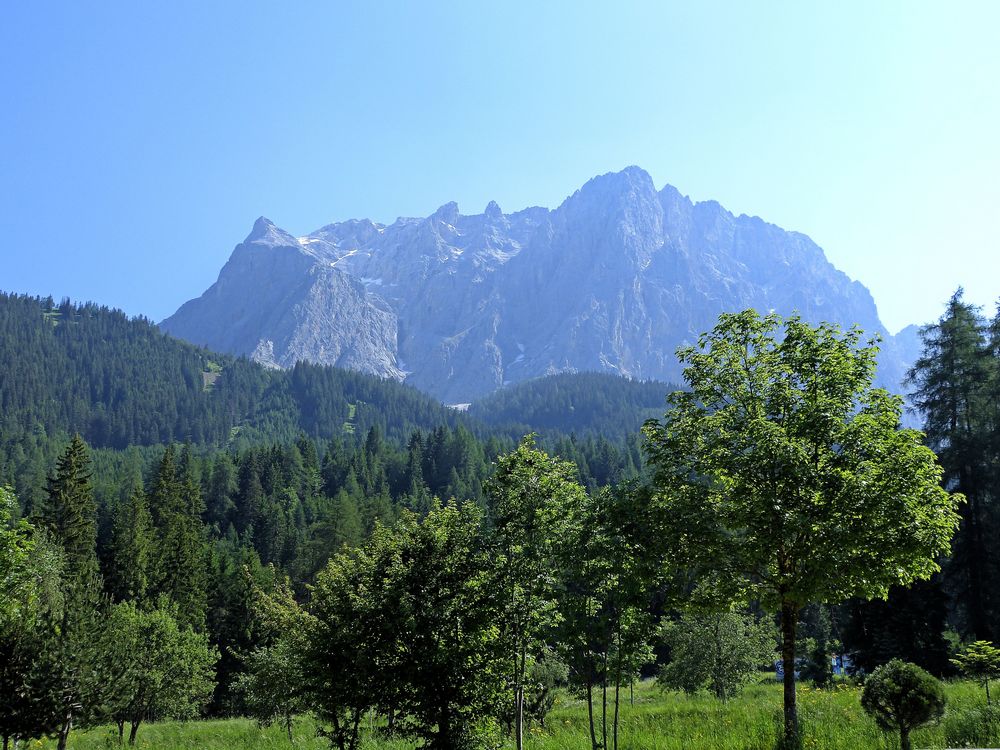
<point x="64" y="730"/>
<point x="354" y="729"/>
<point x="134" y="731"/>
<point x="904" y="739"/>
<point x="6" y="742"/>
<point x="988" y="703"/>
<point x="288" y="727"/>
<point x="789" y="621"/>
<point x="604" y="702"/>
<point x="519" y="697"/>
<point x="618" y="682"/>
<point x="614" y="733"/>
<point x="121" y="731"/>
<point x="980" y="621"/>
<point x="337" y="734"/>
<point x="590" y="713"/>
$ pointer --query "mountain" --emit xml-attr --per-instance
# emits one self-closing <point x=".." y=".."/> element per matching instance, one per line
<point x="613" y="280"/>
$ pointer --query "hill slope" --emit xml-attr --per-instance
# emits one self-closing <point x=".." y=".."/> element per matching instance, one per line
<point x="588" y="403"/>
<point x="120" y="382"/>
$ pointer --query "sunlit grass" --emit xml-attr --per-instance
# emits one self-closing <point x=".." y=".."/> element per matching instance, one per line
<point x="831" y="720"/>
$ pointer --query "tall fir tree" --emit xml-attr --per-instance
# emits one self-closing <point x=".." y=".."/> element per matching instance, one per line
<point x="181" y="558"/>
<point x="131" y="548"/>
<point x="951" y="381"/>
<point x="69" y="515"/>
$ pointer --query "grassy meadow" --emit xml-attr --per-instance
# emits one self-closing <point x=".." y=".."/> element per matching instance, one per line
<point x="831" y="720"/>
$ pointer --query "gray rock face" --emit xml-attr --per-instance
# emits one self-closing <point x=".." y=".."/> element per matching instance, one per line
<point x="614" y="279"/>
<point x="279" y="302"/>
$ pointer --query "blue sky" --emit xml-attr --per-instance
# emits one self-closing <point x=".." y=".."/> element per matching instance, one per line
<point x="140" y="141"/>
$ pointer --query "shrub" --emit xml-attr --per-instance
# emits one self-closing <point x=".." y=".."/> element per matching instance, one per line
<point x="901" y="697"/>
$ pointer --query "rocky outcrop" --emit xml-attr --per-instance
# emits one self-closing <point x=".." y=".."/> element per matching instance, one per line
<point x="614" y="279"/>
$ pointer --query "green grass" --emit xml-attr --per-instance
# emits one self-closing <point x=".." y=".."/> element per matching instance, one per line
<point x="831" y="720"/>
<point x="352" y="409"/>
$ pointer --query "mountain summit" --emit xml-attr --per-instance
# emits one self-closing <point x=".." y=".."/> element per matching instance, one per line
<point x="614" y="279"/>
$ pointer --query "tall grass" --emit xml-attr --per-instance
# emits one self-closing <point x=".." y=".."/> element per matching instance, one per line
<point x="831" y="720"/>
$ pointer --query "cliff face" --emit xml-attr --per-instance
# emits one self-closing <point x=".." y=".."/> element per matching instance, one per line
<point x="278" y="302"/>
<point x="614" y="279"/>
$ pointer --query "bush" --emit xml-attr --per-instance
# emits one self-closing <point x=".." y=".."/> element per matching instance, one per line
<point x="901" y="697"/>
<point x="720" y="652"/>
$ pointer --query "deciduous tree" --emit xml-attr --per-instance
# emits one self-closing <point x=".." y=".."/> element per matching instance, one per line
<point x="783" y="475"/>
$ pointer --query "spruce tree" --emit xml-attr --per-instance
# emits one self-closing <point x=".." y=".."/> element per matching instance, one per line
<point x="951" y="379"/>
<point x="181" y="558"/>
<point x="69" y="515"/>
<point x="131" y="548"/>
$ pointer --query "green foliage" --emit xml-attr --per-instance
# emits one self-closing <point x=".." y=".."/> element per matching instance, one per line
<point x="818" y="646"/>
<point x="31" y="606"/>
<point x="132" y="548"/>
<point x="449" y="613"/>
<point x="721" y="652"/>
<point x="980" y="661"/>
<point x="120" y="382"/>
<point x="529" y="497"/>
<point x="180" y="560"/>
<point x="69" y="516"/>
<point x="609" y="573"/>
<point x="957" y="384"/>
<point x="783" y="476"/>
<point x="545" y="676"/>
<point x="156" y="668"/>
<point x="408" y="623"/>
<point x="901" y="697"/>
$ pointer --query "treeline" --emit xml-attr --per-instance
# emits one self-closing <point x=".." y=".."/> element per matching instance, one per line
<point x="588" y="403"/>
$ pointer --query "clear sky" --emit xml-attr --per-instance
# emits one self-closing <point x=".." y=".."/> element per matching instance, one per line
<point x="140" y="140"/>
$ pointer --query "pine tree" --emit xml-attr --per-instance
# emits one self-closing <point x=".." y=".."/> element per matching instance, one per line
<point x="69" y="515"/>
<point x="951" y="379"/>
<point x="179" y="572"/>
<point x="131" y="548"/>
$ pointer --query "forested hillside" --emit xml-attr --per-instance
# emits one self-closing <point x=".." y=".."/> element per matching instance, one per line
<point x="119" y="382"/>
<point x="588" y="403"/>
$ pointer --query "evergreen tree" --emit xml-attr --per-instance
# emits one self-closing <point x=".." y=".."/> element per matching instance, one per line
<point x="951" y="380"/>
<point x="179" y="573"/>
<point x="132" y="548"/>
<point x="69" y="515"/>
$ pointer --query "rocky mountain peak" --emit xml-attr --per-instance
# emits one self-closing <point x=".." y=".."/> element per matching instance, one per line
<point x="448" y="213"/>
<point x="613" y="280"/>
<point x="493" y="212"/>
<point x="265" y="232"/>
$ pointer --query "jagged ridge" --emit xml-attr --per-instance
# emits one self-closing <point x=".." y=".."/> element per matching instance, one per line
<point x="613" y="280"/>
